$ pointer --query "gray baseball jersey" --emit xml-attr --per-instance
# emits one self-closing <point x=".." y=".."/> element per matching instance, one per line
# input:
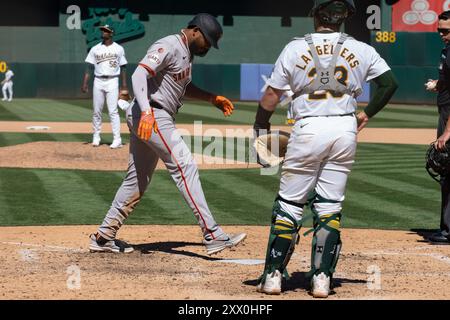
<point x="168" y="61"/>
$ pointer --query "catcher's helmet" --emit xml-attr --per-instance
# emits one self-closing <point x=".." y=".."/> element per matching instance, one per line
<point x="210" y="27"/>
<point x="333" y="11"/>
<point x="437" y="162"/>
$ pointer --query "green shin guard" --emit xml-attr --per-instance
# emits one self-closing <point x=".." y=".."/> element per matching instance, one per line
<point x="282" y="239"/>
<point x="326" y="244"/>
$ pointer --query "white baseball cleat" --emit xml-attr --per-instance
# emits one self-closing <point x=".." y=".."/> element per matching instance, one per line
<point x="100" y="244"/>
<point x="116" y="144"/>
<point x="215" y="245"/>
<point x="272" y="283"/>
<point x="4" y="99"/>
<point x="320" y="285"/>
<point x="96" y="141"/>
<point x="9" y="100"/>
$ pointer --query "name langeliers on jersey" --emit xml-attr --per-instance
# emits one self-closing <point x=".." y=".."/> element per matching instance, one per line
<point x="328" y="49"/>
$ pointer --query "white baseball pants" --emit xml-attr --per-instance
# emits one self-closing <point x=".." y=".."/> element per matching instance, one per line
<point x="109" y="89"/>
<point x="7" y="89"/>
<point x="320" y="155"/>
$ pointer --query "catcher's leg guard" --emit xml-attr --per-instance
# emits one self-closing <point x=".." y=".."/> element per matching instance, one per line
<point x="326" y="244"/>
<point x="282" y="240"/>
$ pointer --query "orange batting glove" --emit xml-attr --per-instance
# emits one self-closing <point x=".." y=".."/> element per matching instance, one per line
<point x="223" y="104"/>
<point x="146" y="125"/>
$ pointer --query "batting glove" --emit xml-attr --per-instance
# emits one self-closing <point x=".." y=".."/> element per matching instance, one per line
<point x="147" y="124"/>
<point x="223" y="104"/>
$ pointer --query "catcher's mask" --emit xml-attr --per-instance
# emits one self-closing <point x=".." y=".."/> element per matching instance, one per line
<point x="333" y="11"/>
<point x="438" y="162"/>
<point x="271" y="147"/>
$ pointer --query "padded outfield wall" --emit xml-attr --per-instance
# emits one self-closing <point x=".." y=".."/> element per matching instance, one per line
<point x="48" y="61"/>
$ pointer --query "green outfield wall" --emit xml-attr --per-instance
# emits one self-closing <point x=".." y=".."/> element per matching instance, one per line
<point x="414" y="58"/>
<point x="48" y="61"/>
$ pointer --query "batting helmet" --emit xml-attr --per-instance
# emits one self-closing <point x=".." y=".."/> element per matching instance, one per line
<point x="437" y="162"/>
<point x="333" y="11"/>
<point x="209" y="26"/>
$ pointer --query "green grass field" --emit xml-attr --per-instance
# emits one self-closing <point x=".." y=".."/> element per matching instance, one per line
<point x="387" y="189"/>
<point x="392" y="116"/>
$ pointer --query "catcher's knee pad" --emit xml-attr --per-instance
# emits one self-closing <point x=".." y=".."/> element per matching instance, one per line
<point x="326" y="244"/>
<point x="282" y="239"/>
<point x="319" y="204"/>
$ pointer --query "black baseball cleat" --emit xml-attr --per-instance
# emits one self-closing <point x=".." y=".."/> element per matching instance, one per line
<point x="439" y="238"/>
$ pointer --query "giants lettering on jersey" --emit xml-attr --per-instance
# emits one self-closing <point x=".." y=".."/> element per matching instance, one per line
<point x="328" y="49"/>
<point x="182" y="75"/>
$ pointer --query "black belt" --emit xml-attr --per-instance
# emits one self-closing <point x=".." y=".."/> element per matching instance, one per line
<point x="332" y="115"/>
<point x="156" y="105"/>
<point x="106" y="77"/>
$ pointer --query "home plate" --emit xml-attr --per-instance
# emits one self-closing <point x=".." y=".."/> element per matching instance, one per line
<point x="242" y="261"/>
<point x="37" y="128"/>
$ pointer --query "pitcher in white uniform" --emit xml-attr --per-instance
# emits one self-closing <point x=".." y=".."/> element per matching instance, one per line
<point x="108" y="61"/>
<point x="7" y="86"/>
<point x="160" y="82"/>
<point x="326" y="71"/>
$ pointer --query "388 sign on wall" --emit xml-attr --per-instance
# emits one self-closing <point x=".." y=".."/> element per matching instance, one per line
<point x="417" y="15"/>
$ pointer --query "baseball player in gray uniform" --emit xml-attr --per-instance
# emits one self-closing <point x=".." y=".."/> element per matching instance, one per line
<point x="160" y="81"/>
<point x="108" y="61"/>
<point x="326" y="71"/>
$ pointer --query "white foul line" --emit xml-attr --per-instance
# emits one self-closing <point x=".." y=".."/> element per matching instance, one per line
<point x="44" y="247"/>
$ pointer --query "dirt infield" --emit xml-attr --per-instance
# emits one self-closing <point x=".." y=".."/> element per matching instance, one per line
<point x="78" y="155"/>
<point x="81" y="155"/>
<point x="375" y="135"/>
<point x="170" y="263"/>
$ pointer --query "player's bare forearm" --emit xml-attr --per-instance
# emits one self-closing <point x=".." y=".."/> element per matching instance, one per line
<point x="266" y="108"/>
<point x="271" y="98"/>
<point x="445" y="136"/>
<point x="123" y="75"/>
<point x="222" y="103"/>
<point x="194" y="92"/>
<point x="84" y="86"/>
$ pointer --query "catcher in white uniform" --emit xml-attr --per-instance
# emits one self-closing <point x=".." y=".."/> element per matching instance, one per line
<point x="326" y="71"/>
<point x="108" y="61"/>
<point x="7" y="86"/>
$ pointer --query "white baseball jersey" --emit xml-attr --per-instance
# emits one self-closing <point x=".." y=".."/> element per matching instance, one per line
<point x="169" y="62"/>
<point x="107" y="59"/>
<point x="294" y="69"/>
<point x="8" y="75"/>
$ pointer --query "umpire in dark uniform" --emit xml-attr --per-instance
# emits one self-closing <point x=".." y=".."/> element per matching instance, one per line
<point x="442" y="87"/>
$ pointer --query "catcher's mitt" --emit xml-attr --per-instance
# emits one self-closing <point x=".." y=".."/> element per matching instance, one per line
<point x="271" y="148"/>
<point x="437" y="162"/>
